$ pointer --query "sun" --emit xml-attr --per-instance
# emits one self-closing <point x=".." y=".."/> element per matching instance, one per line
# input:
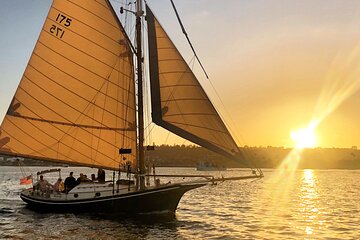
<point x="304" y="137"/>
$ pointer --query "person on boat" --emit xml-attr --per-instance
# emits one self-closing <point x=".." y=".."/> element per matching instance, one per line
<point x="101" y="175"/>
<point x="70" y="182"/>
<point x="80" y="179"/>
<point x="86" y="179"/>
<point x="43" y="185"/>
<point x="93" y="178"/>
<point x="59" y="186"/>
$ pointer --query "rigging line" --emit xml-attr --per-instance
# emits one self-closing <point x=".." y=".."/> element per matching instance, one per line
<point x="70" y="148"/>
<point x="72" y="92"/>
<point x="102" y="117"/>
<point x="187" y="37"/>
<point x="116" y="18"/>
<point x="190" y="69"/>
<point x="109" y="49"/>
<point x="72" y="124"/>
<point x="65" y="133"/>
<point x="147" y="88"/>
<point x="167" y="137"/>
<point x="14" y="138"/>
<point x="183" y="73"/>
<point x="74" y="78"/>
<point x="151" y="129"/>
<point x="45" y="147"/>
<point x="227" y="112"/>
<point x="80" y="112"/>
<point x="131" y="85"/>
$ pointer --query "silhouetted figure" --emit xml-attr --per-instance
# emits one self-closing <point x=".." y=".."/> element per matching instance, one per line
<point x="101" y="175"/>
<point x="70" y="182"/>
<point x="93" y="178"/>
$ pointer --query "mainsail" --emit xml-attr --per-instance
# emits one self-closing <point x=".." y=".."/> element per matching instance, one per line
<point x="76" y="100"/>
<point x="179" y="103"/>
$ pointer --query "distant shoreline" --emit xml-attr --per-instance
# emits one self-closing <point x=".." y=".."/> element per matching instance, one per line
<point x="263" y="157"/>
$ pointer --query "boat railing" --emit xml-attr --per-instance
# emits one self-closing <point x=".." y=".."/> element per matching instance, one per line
<point x="48" y="171"/>
<point x="207" y="178"/>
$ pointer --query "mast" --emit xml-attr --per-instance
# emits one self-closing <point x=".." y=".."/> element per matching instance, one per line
<point x="139" y="13"/>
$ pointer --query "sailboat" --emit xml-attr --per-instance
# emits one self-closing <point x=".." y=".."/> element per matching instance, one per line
<point x="80" y="102"/>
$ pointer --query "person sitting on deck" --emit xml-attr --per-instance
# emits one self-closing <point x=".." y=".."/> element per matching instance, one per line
<point x="86" y="179"/>
<point x="59" y="186"/>
<point x="93" y="178"/>
<point x="81" y="179"/>
<point x="43" y="185"/>
<point x="101" y="175"/>
<point x="70" y="182"/>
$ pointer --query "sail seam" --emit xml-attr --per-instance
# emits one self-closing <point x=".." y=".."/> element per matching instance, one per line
<point x="103" y="78"/>
<point x="57" y="114"/>
<point x="45" y="147"/>
<point x="65" y="119"/>
<point x="86" y="100"/>
<point x="73" y="124"/>
<point x="35" y="151"/>
<point x="176" y="75"/>
<point x="70" y="106"/>
<point x="180" y="85"/>
<point x="116" y="27"/>
<point x="14" y="138"/>
<point x="125" y="90"/>
<point x="87" y="39"/>
<point x="170" y="59"/>
<point x="167" y="72"/>
<point x="51" y="49"/>
<point x="106" y="49"/>
<point x="75" y="94"/>
<point x="94" y="29"/>
<point x="97" y="98"/>
<point x="192" y="125"/>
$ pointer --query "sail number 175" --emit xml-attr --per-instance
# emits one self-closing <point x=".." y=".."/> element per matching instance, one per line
<point x="63" y="20"/>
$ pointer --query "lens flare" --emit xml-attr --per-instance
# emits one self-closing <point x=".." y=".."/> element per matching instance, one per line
<point x="304" y="137"/>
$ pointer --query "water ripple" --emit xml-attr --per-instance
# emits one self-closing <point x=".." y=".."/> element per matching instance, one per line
<point x="320" y="205"/>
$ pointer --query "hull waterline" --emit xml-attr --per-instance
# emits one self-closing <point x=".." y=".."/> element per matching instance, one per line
<point x="160" y="199"/>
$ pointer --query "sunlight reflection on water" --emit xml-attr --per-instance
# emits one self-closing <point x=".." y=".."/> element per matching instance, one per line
<point x="318" y="204"/>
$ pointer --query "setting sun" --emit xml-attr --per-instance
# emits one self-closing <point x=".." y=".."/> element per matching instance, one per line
<point x="304" y="137"/>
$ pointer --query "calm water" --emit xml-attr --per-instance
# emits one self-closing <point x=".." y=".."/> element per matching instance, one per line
<point x="309" y="204"/>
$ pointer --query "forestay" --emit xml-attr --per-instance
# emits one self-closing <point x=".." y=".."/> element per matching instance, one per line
<point x="179" y="103"/>
<point x="76" y="101"/>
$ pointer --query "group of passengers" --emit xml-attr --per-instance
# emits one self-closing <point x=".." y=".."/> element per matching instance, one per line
<point x="70" y="182"/>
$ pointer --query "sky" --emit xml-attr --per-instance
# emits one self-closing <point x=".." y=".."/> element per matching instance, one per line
<point x="277" y="65"/>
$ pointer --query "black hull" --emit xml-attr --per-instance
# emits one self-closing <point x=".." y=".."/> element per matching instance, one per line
<point x="161" y="199"/>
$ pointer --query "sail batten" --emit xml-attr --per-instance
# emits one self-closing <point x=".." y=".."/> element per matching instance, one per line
<point x="76" y="100"/>
<point x="179" y="103"/>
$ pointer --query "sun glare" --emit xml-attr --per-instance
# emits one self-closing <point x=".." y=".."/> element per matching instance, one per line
<point x="304" y="137"/>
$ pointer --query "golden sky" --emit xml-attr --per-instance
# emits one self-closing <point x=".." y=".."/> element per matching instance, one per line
<point x="276" y="64"/>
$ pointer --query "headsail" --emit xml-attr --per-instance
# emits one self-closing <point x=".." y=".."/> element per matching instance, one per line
<point x="179" y="103"/>
<point x="76" y="100"/>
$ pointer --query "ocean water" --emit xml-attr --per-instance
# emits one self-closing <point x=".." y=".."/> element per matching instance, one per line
<point x="305" y="204"/>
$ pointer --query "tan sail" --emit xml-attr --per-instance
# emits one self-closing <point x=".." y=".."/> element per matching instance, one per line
<point x="179" y="103"/>
<point x="76" y="100"/>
